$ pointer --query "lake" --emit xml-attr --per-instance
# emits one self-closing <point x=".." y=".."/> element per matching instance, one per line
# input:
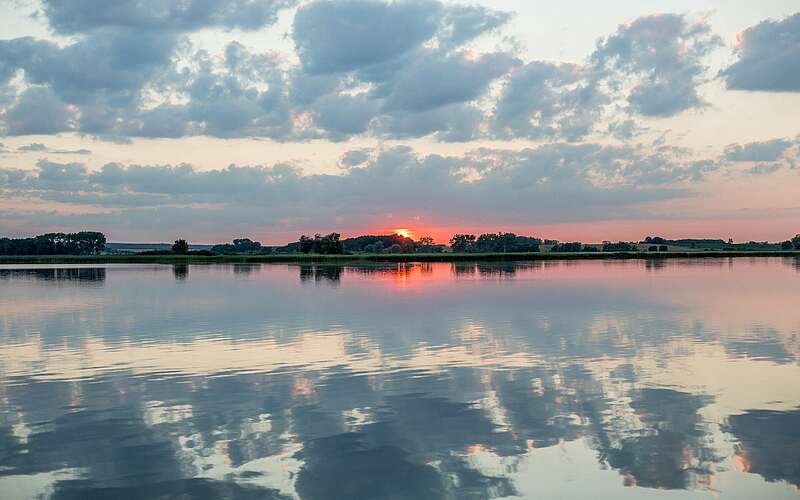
<point x="551" y="379"/>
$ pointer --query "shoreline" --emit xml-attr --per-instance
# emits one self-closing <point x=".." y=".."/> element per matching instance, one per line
<point x="387" y="258"/>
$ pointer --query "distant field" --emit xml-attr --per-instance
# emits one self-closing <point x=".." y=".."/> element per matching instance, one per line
<point x="438" y="257"/>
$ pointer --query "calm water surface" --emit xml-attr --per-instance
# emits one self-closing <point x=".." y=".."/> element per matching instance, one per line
<point x="674" y="379"/>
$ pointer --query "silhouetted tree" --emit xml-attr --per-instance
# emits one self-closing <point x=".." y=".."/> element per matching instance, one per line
<point x="180" y="247"/>
<point x="574" y="246"/>
<point x="306" y="244"/>
<point x="796" y="242"/>
<point x="330" y="244"/>
<point x="240" y="245"/>
<point x="462" y="242"/>
<point x="787" y="245"/>
<point x="618" y="247"/>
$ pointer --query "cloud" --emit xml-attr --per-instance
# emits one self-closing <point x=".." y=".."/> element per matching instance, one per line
<point x="462" y="23"/>
<point x="355" y="157"/>
<point x="452" y="123"/>
<point x="342" y="116"/>
<point x="386" y="69"/>
<point x="546" y="100"/>
<point x="38" y="111"/>
<point x="412" y="100"/>
<point x="769" y="57"/>
<point x="123" y="62"/>
<point x="551" y="183"/>
<point x="663" y="54"/>
<point x="79" y="16"/>
<point x="758" y="151"/>
<point x="650" y="67"/>
<point x="365" y="69"/>
<point x="37" y="147"/>
<point x="87" y="86"/>
<point x="764" y="168"/>
<point x="346" y="35"/>
<point x="420" y="86"/>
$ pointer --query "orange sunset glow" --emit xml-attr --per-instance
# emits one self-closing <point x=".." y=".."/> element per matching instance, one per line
<point x="406" y="233"/>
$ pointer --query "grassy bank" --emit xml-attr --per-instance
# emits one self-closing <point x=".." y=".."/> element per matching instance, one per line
<point x="343" y="259"/>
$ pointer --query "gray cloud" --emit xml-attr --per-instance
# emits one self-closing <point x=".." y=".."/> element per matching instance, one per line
<point x="355" y="157"/>
<point x="462" y="23"/>
<point x="764" y="168"/>
<point x="78" y="16"/>
<point x="653" y="65"/>
<point x="345" y="35"/>
<point x="767" y="157"/>
<point x="758" y="151"/>
<point x="38" y="147"/>
<point x="452" y="123"/>
<point x="420" y="86"/>
<point x="122" y="61"/>
<point x="664" y="54"/>
<point x="239" y="94"/>
<point x="38" y="111"/>
<point x="366" y="71"/>
<point x="126" y="48"/>
<point x="389" y="69"/>
<point x="342" y="116"/>
<point x="553" y="183"/>
<point x="543" y="99"/>
<point x="769" y="57"/>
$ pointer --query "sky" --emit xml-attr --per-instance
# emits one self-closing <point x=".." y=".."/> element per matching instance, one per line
<point x="575" y="120"/>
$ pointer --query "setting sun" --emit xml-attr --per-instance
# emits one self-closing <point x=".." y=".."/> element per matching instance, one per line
<point x="406" y="233"/>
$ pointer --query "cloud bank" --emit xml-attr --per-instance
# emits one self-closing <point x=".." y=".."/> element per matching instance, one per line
<point x="394" y="70"/>
<point x="556" y="182"/>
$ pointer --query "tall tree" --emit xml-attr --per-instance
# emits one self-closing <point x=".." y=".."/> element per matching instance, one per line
<point x="180" y="247"/>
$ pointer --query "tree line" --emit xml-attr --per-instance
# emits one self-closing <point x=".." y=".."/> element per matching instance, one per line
<point x="93" y="242"/>
<point x="80" y="243"/>
<point x="494" y="243"/>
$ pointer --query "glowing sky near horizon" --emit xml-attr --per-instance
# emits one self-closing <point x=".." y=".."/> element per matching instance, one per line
<point x="575" y="120"/>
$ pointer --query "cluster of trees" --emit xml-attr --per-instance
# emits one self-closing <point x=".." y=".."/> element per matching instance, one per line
<point x="241" y="245"/>
<point x="574" y="246"/>
<point x="392" y="243"/>
<point x="494" y="243"/>
<point x="330" y="244"/>
<point x="607" y="246"/>
<point x="80" y="243"/>
<point x="620" y="246"/>
<point x="793" y="244"/>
